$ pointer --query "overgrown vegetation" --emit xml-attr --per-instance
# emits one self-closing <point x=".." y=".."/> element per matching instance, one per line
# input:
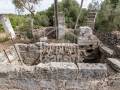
<point x="70" y="37"/>
<point x="70" y="8"/>
<point x="109" y="16"/>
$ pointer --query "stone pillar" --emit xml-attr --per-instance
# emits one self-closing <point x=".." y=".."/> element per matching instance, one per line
<point x="61" y="26"/>
<point x="7" y="26"/>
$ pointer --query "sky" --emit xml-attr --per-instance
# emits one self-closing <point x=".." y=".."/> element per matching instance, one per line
<point x="6" y="6"/>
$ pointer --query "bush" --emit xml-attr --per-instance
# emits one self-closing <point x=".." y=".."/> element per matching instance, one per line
<point x="70" y="37"/>
<point x="41" y="20"/>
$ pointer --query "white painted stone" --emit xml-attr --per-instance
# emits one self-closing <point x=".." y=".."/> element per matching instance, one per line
<point x="7" y="26"/>
<point x="43" y="39"/>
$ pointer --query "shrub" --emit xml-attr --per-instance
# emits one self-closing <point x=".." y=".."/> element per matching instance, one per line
<point x="70" y="37"/>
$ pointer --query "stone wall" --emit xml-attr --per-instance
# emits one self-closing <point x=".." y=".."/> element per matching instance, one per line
<point x="11" y="55"/>
<point x="34" y="54"/>
<point x="109" y="38"/>
<point x="49" y="32"/>
<point x="106" y="53"/>
<point x="53" y="76"/>
<point x="112" y="41"/>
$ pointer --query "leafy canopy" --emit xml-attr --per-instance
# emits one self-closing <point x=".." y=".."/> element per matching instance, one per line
<point x="23" y="5"/>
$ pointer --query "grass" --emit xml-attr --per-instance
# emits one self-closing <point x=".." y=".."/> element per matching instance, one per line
<point x="3" y="37"/>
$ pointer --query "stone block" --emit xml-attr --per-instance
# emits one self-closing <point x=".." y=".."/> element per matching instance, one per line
<point x="115" y="63"/>
<point x="106" y="50"/>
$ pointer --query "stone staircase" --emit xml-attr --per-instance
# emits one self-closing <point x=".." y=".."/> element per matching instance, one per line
<point x="91" y="17"/>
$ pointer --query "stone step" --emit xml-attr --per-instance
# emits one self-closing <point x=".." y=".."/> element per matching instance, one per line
<point x="89" y="21"/>
<point x="115" y="63"/>
<point x="106" y="50"/>
<point x="31" y="84"/>
<point x="55" y="70"/>
<point x="90" y="12"/>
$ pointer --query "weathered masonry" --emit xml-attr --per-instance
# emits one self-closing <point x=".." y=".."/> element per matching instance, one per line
<point x="60" y="66"/>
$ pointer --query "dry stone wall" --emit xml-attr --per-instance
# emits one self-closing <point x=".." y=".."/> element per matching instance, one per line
<point x="34" y="54"/>
<point x="10" y="55"/>
<point x="109" y="38"/>
<point x="112" y="41"/>
<point x="106" y="53"/>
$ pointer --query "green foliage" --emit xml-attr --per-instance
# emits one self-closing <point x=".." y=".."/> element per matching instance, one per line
<point x="41" y="19"/>
<point x="114" y="3"/>
<point x="94" y="5"/>
<point x="1" y="28"/>
<point x="28" y="5"/>
<point x="70" y="37"/>
<point x="50" y="14"/>
<point x="109" y="16"/>
<point x="26" y="27"/>
<point x="71" y="10"/>
<point x="17" y="20"/>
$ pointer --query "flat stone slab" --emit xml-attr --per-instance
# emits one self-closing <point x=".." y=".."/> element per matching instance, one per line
<point x="115" y="63"/>
<point x="106" y="50"/>
<point x="85" y="43"/>
<point x="11" y="53"/>
<point x="55" y="70"/>
<point x="118" y="46"/>
<point x="31" y="84"/>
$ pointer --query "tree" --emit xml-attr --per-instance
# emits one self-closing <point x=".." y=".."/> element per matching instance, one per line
<point x="94" y="5"/>
<point x="108" y="17"/>
<point x="114" y="3"/>
<point x="41" y="19"/>
<point x="71" y="9"/>
<point x="50" y="14"/>
<point x="28" y="5"/>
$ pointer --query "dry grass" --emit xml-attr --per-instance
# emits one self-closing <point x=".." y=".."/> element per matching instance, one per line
<point x="3" y="37"/>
